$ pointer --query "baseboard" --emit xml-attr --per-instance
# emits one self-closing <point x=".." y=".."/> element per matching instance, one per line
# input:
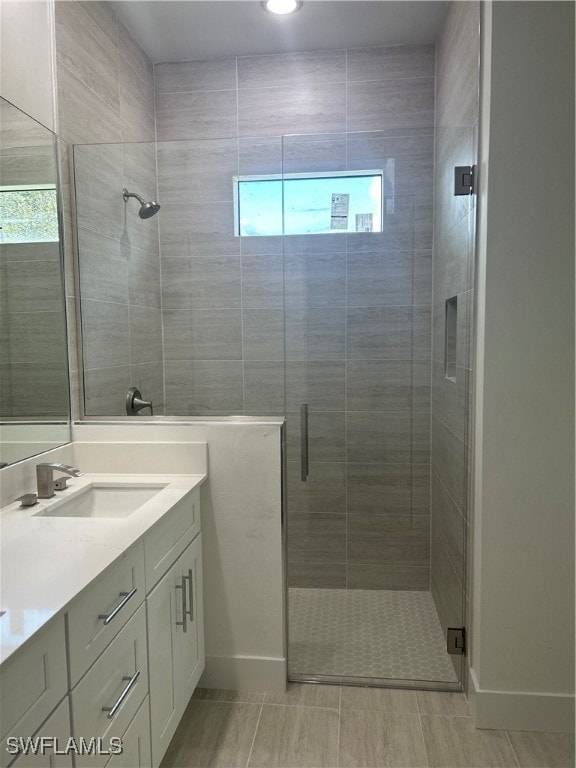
<point x="520" y="711"/>
<point x="245" y="673"/>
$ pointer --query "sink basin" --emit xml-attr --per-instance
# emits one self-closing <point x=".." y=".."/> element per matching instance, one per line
<point x="103" y="500"/>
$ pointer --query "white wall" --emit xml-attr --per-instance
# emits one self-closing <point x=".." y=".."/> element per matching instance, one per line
<point x="523" y="664"/>
<point x="242" y="543"/>
<point x="27" y="57"/>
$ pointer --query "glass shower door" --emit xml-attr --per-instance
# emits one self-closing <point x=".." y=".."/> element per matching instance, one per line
<point x="357" y="295"/>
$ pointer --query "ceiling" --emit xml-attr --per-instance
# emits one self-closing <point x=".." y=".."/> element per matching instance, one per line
<point x="179" y="30"/>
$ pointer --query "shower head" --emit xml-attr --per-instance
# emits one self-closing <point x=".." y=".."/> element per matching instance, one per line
<point x="147" y="207"/>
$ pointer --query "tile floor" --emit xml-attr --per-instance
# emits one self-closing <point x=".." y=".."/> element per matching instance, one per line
<point x="376" y="633"/>
<point x="319" y="726"/>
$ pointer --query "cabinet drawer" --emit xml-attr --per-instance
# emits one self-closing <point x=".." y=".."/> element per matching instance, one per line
<point x="56" y="727"/>
<point x="117" y="681"/>
<point x="170" y="537"/>
<point x="32" y="685"/>
<point x="135" y="742"/>
<point x="116" y="595"/>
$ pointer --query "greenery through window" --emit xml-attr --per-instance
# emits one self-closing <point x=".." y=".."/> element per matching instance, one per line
<point x="28" y="215"/>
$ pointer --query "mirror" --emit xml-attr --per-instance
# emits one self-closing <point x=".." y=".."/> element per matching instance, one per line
<point x="34" y="390"/>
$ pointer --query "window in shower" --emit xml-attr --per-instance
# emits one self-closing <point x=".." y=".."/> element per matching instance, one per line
<point x="28" y="214"/>
<point x="308" y="204"/>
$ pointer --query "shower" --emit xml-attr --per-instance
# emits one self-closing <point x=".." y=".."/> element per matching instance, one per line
<point x="148" y="208"/>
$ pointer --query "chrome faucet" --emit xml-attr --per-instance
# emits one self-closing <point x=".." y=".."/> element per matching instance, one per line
<point x="45" y="477"/>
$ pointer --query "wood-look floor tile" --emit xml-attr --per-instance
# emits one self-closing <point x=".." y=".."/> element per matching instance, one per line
<point x="442" y="703"/>
<point x="379" y="700"/>
<point x="307" y="695"/>
<point x="215" y="694"/>
<point x="380" y="740"/>
<point x="213" y="734"/>
<point x="543" y="750"/>
<point x="295" y="737"/>
<point x="453" y="742"/>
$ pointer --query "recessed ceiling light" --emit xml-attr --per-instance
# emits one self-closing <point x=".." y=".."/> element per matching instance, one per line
<point x="282" y="7"/>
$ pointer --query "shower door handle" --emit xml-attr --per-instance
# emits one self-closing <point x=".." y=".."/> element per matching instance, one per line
<point x="304" y="460"/>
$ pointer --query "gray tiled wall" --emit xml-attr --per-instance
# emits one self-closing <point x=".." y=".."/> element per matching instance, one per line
<point x="106" y="95"/>
<point x="341" y="322"/>
<point x="454" y="234"/>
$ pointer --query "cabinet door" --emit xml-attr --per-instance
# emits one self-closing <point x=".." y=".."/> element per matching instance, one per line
<point x="164" y="609"/>
<point x="56" y="727"/>
<point x="135" y="742"/>
<point x="191" y="642"/>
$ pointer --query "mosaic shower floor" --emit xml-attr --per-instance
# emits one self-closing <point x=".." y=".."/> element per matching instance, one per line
<point x="367" y="633"/>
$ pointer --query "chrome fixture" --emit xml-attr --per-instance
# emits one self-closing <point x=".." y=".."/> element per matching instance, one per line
<point x="281" y="7"/>
<point x="28" y="500"/>
<point x="107" y="617"/>
<point x="131" y="680"/>
<point x="134" y="402"/>
<point x="45" y="477"/>
<point x="147" y="207"/>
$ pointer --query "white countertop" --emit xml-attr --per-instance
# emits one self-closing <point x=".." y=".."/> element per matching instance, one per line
<point x="45" y="562"/>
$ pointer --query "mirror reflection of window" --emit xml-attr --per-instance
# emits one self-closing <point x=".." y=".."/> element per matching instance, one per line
<point x="309" y="204"/>
<point x="28" y="214"/>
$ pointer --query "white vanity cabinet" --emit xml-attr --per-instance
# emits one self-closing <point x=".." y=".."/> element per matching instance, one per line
<point x="32" y="685"/>
<point x="122" y="659"/>
<point x="175" y="632"/>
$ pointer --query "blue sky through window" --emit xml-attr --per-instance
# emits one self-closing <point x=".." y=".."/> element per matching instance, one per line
<point x="304" y="205"/>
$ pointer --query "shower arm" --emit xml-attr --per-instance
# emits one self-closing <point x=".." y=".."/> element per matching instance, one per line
<point x="126" y="195"/>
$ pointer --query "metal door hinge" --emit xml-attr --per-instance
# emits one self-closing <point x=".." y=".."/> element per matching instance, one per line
<point x="456" y="641"/>
<point x="465" y="180"/>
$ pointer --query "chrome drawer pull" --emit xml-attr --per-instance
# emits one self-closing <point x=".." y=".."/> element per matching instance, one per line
<point x="107" y="617"/>
<point x="112" y="710"/>
<point x="184" y="622"/>
<point x="191" y="594"/>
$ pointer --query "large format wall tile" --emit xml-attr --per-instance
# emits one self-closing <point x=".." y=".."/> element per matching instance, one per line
<point x="204" y="334"/>
<point x="105" y="390"/>
<point x="273" y="111"/>
<point x="407" y="161"/>
<point x="316" y="538"/>
<point x="384" y="385"/>
<point x="315" y="334"/>
<point x="383" y="576"/>
<point x="201" y="282"/>
<point x="103" y="267"/>
<point x="264" y="388"/>
<point x="315" y="279"/>
<point x="199" y="115"/>
<point x="202" y="229"/>
<point x="203" y="387"/>
<point x="379" y="105"/>
<point x="383" y="489"/>
<point x="106" y="334"/>
<point x="390" y="62"/>
<point x="388" y="539"/>
<point x="83" y="116"/>
<point x="326" y="436"/>
<point x="187" y="76"/>
<point x="196" y="171"/>
<point x="87" y="52"/>
<point x="323" y="493"/>
<point x="289" y="69"/>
